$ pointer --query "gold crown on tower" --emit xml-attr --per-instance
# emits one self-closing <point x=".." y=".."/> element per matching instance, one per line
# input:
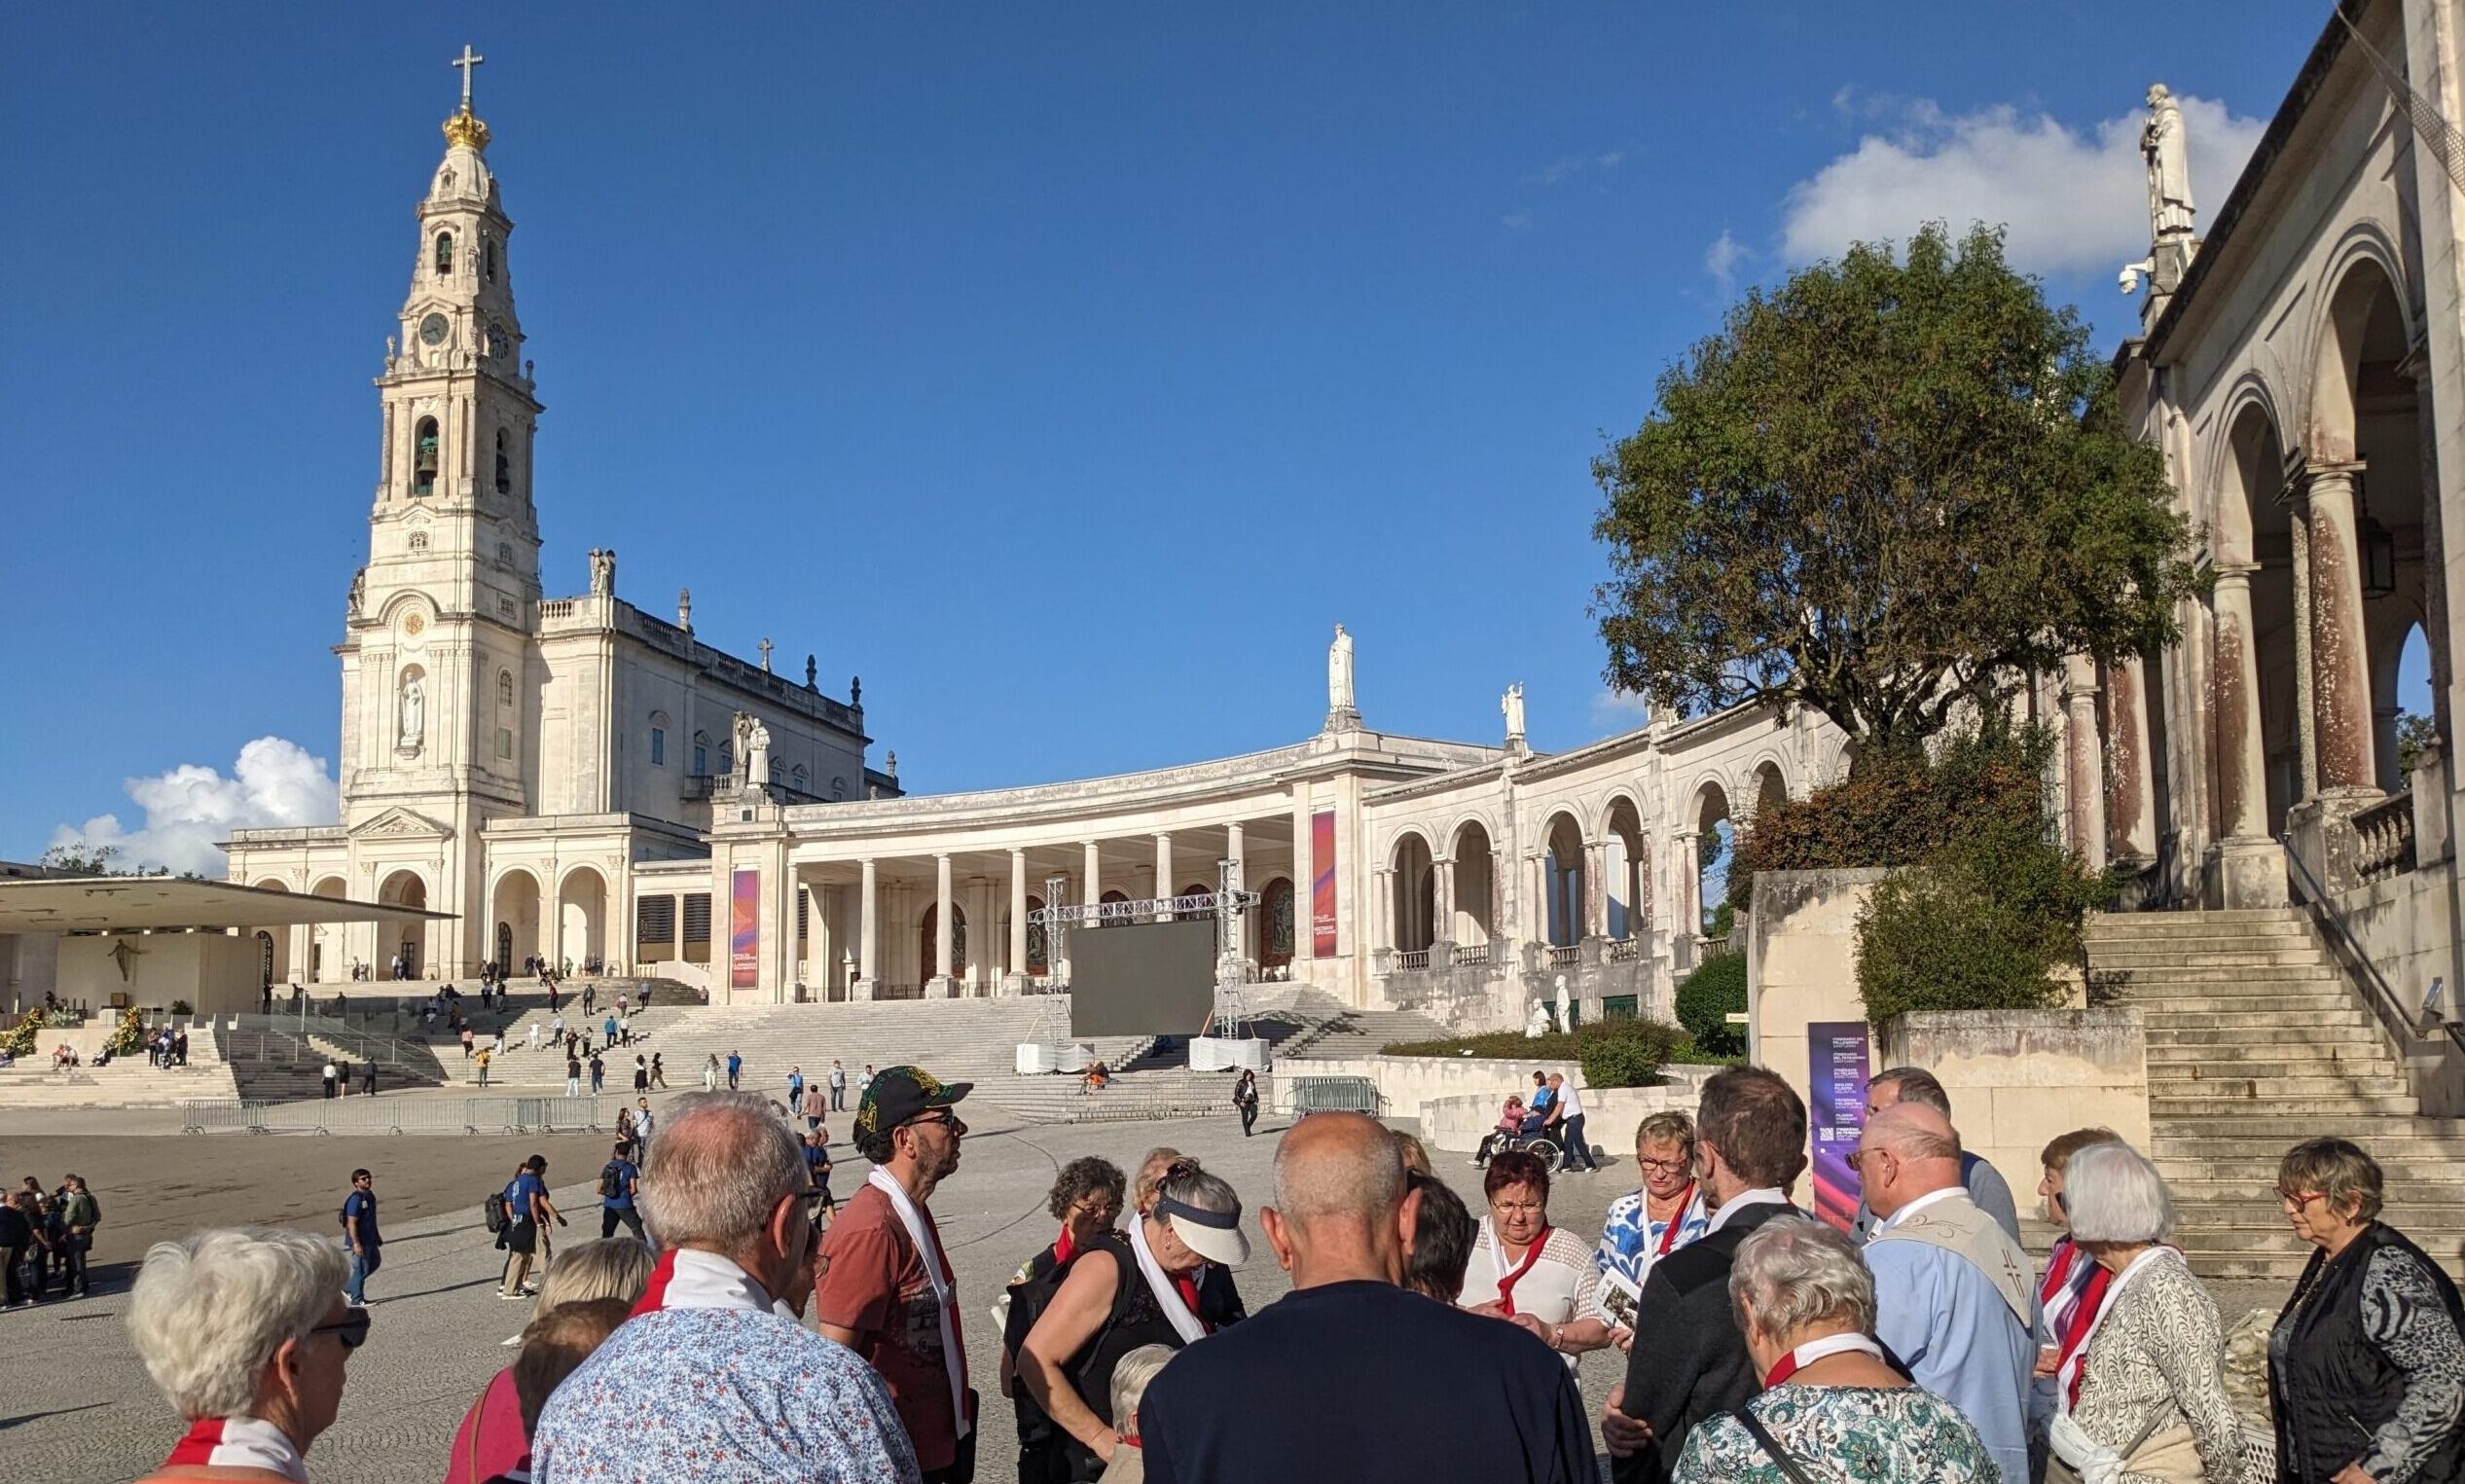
<point x="465" y="127"/>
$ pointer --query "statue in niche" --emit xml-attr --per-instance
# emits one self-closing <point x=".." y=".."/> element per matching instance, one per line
<point x="1339" y="676"/>
<point x="413" y="710"/>
<point x="1513" y="703"/>
<point x="603" y="572"/>
<point x="2162" y="145"/>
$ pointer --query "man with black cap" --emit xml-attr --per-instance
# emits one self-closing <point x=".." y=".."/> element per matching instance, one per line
<point x="888" y="1291"/>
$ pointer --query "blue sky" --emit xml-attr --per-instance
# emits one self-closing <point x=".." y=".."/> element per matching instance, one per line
<point x="1067" y="372"/>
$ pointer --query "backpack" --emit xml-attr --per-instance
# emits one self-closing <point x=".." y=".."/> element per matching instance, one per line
<point x="494" y="1212"/>
<point x="612" y="1180"/>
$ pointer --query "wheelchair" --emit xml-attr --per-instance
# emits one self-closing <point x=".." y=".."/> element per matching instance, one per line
<point x="1540" y="1147"/>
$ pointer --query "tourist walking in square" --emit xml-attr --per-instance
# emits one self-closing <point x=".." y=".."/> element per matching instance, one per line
<point x="711" y="1074"/>
<point x="658" y="1073"/>
<point x="795" y="1090"/>
<point x="838" y="1086"/>
<point x="812" y="1107"/>
<point x="888" y="1291"/>
<point x="642" y="1076"/>
<point x="528" y="1212"/>
<point x="330" y="1077"/>
<point x="360" y="1236"/>
<point x="735" y="1070"/>
<point x="619" y="1182"/>
<point x="572" y="1075"/>
<point x="598" y="1074"/>
<point x="1567" y="1113"/>
<point x="17" y="1239"/>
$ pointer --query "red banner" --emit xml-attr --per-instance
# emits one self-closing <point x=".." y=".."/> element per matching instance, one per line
<point x="745" y="930"/>
<point x="1323" y="883"/>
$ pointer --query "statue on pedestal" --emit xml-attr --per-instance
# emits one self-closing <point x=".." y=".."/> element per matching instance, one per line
<point x="415" y="712"/>
<point x="603" y="573"/>
<point x="744" y="730"/>
<point x="2163" y="146"/>
<point x="1342" y="711"/>
<point x="1513" y="703"/>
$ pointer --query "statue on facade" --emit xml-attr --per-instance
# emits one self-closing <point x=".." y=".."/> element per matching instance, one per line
<point x="415" y="711"/>
<point x="1341" y="708"/>
<point x="2163" y="146"/>
<point x="1566" y="1017"/>
<point x="603" y="573"/>
<point x="809" y="672"/>
<point x="359" y="590"/>
<point x="765" y="647"/>
<point x="1513" y="703"/>
<point x="1536" y="1023"/>
<point x="856" y="691"/>
<point x="757" y="752"/>
<point x="889" y="765"/>
<point x="685" y="609"/>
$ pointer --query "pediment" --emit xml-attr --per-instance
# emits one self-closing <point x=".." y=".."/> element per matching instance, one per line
<point x="400" y="825"/>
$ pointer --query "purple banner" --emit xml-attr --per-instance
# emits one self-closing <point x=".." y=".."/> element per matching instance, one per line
<point x="1835" y="1112"/>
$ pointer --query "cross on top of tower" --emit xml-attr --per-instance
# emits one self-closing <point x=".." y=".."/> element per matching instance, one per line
<point x="466" y="61"/>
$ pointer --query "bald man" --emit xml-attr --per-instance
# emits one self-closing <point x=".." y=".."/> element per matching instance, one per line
<point x="1953" y="1295"/>
<point x="1349" y="1376"/>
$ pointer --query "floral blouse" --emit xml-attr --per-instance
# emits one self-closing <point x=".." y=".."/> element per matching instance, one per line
<point x="2156" y="1363"/>
<point x="1851" y="1434"/>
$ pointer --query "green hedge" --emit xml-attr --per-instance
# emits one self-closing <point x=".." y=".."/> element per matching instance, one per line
<point x="1706" y="998"/>
<point x="1614" y="1053"/>
<point x="1978" y="925"/>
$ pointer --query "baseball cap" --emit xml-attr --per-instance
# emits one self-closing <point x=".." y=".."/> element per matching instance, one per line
<point x="1215" y="1235"/>
<point x="898" y="1094"/>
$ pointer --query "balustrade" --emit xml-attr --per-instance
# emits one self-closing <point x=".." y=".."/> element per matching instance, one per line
<point x="2384" y="839"/>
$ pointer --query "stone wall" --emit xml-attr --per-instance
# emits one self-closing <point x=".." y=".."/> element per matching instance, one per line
<point x="2019" y="1078"/>
<point x="2406" y="926"/>
<point x="1409" y="1085"/>
<point x="1609" y="1113"/>
<point x="215" y="973"/>
<point x="1801" y="961"/>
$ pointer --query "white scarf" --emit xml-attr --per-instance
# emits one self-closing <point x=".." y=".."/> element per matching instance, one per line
<point x="2114" y="1291"/>
<point x="688" y="1277"/>
<point x="240" y="1443"/>
<point x="1160" y="1284"/>
<point x="945" y="1295"/>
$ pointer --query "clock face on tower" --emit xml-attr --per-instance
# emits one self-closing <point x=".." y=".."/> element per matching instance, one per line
<point x="433" y="328"/>
<point x="499" y="344"/>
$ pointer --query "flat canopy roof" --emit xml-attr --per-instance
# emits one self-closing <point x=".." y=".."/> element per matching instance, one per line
<point x="138" y="903"/>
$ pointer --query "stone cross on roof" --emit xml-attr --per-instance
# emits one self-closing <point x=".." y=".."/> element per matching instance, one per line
<point x="466" y="61"/>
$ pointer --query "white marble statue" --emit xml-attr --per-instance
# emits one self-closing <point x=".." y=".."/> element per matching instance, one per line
<point x="1513" y="703"/>
<point x="1339" y="676"/>
<point x="603" y="573"/>
<point x="415" y="711"/>
<point x="757" y="753"/>
<point x="1537" y="1024"/>
<point x="2162" y="145"/>
<point x="1565" y="1018"/>
<point x="744" y="741"/>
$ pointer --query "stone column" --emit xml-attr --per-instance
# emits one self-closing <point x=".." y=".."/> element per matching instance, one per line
<point x="1015" y="981"/>
<point x="1442" y="899"/>
<point x="868" y="934"/>
<point x="1595" y="889"/>
<point x="2340" y="654"/>
<point x="944" y="978"/>
<point x="2242" y="799"/>
<point x="2130" y="800"/>
<point x="1381" y="912"/>
<point x="1689" y="885"/>
<point x="2306" y="688"/>
<point x="2085" y="761"/>
<point x="1091" y="887"/>
<point x="1165" y="885"/>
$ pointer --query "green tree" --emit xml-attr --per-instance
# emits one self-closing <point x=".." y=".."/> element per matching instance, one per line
<point x="76" y="857"/>
<point x="2415" y="732"/>
<point x="1886" y="487"/>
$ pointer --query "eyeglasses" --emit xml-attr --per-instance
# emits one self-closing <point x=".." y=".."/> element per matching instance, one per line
<point x="1666" y="1166"/>
<point x="1096" y="1210"/>
<point x="945" y="1116"/>
<point x="1515" y="1205"/>
<point x="351" y="1329"/>
<point x="2298" y="1199"/>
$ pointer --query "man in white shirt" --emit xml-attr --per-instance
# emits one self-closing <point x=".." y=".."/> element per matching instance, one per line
<point x="1566" y="1122"/>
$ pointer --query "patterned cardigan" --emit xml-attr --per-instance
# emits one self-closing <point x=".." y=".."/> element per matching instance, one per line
<point x="2157" y="1361"/>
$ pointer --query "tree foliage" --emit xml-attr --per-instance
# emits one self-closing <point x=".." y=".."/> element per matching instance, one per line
<point x="1885" y="489"/>
<point x="1979" y="925"/>
<point x="1708" y="997"/>
<point x="77" y="858"/>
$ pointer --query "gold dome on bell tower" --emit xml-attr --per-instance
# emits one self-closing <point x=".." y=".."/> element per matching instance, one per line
<point x="466" y="126"/>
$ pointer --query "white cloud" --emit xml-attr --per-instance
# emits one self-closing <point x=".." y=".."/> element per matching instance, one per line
<point x="1620" y="712"/>
<point x="1721" y="261"/>
<point x="1515" y="221"/>
<point x="275" y="783"/>
<point x="2074" y="200"/>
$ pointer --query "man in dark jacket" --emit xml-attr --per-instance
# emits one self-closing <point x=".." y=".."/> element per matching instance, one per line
<point x="1750" y="1145"/>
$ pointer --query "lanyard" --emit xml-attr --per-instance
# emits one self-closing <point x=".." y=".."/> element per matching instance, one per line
<point x="1815" y="1349"/>
<point x="1677" y="1218"/>
<point x="944" y="1283"/>
<point x="1498" y="1263"/>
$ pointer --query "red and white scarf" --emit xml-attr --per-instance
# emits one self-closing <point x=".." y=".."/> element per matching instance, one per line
<point x="2067" y="1377"/>
<point x="686" y="1278"/>
<point x="1812" y="1351"/>
<point x="238" y="1442"/>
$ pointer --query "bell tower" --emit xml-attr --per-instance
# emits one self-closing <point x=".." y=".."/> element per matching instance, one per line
<point x="441" y="623"/>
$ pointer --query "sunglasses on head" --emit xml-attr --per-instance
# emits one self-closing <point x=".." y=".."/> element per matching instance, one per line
<point x="351" y="1329"/>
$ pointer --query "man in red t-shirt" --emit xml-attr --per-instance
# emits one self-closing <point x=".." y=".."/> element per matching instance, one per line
<point x="886" y="1291"/>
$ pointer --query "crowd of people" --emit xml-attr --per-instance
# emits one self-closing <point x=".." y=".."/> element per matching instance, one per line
<point x="1422" y="1339"/>
<point x="45" y="1237"/>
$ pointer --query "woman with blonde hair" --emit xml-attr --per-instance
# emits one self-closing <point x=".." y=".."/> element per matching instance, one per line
<point x="491" y="1440"/>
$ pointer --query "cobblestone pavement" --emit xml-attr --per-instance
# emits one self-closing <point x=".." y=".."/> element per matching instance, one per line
<point x="80" y="1410"/>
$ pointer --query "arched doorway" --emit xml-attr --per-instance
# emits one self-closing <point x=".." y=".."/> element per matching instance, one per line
<point x="1562" y="868"/>
<point x="265" y="959"/>
<point x="1475" y="885"/>
<point x="2255" y="537"/>
<point x="927" y="940"/>
<point x="1276" y="936"/>
<point x="405" y="948"/>
<point x="516" y="910"/>
<point x="580" y="920"/>
<point x="326" y="961"/>
<point x="1629" y="872"/>
<point x="1715" y="832"/>
<point x="278" y="941"/>
<point x="1415" y="884"/>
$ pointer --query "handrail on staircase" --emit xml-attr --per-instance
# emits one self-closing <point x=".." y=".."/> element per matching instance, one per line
<point x="2313" y="898"/>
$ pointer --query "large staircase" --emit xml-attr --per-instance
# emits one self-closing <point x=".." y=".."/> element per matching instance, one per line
<point x="2256" y="1041"/>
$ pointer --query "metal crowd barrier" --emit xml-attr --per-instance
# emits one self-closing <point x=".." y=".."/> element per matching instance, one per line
<point x="405" y="1115"/>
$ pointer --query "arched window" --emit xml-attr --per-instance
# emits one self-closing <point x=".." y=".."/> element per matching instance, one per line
<point x="419" y="540"/>
<point x="505" y="688"/>
<point x="504" y="553"/>
<point x="504" y="465"/>
<point x="838" y="789"/>
<point x="506" y="715"/>
<point x="701" y="754"/>
<point x="423" y="459"/>
<point x="488" y="257"/>
<point x="799" y="779"/>
<point x="444" y="253"/>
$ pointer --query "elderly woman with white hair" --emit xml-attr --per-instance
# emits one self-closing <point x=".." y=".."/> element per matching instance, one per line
<point x="2143" y="1397"/>
<point x="247" y="1333"/>
<point x="1832" y="1409"/>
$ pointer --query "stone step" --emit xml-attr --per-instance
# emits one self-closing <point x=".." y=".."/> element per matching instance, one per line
<point x="2299" y="957"/>
<point x="2243" y="1173"/>
<point x="2349" y="1028"/>
<point x="2222" y="916"/>
<point x="2106" y="975"/>
<point x="2347" y="1107"/>
<point x="2289" y="936"/>
<point x="2284" y="1265"/>
<point x="2282" y="1006"/>
<point x="2228" y="1063"/>
<point x="2161" y="1020"/>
